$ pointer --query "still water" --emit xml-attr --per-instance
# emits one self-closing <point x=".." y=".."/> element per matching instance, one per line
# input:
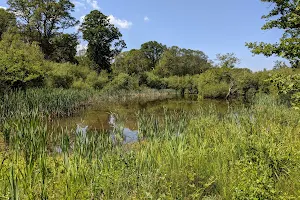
<point x="102" y="115"/>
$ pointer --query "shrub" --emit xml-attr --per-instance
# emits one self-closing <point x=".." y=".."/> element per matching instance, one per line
<point x="21" y="64"/>
<point x="60" y="75"/>
<point x="154" y="81"/>
<point x="184" y="84"/>
<point x="97" y="81"/>
<point x="79" y="72"/>
<point x="214" y="83"/>
<point x="122" y="82"/>
<point x="80" y="84"/>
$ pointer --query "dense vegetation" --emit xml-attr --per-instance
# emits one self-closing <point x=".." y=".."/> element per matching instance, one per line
<point x="32" y="55"/>
<point x="246" y="153"/>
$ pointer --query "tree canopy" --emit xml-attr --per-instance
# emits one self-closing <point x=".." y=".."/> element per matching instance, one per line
<point x="285" y="15"/>
<point x="228" y="60"/>
<point x="65" y="48"/>
<point x="104" y="39"/>
<point x="153" y="51"/>
<point x="43" y="20"/>
<point x="131" y="62"/>
<point x="7" y="20"/>
<point x="176" y="61"/>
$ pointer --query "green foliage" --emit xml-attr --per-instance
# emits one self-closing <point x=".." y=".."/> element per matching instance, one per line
<point x="133" y="62"/>
<point x="180" y="62"/>
<point x="288" y="88"/>
<point x="122" y="82"/>
<point x="98" y="81"/>
<point x="61" y="75"/>
<point x="284" y="15"/>
<point x="153" y="81"/>
<point x="245" y="153"/>
<point x="104" y="39"/>
<point x="64" y="48"/>
<point x="228" y="60"/>
<point x="214" y="83"/>
<point x="153" y="51"/>
<point x="45" y="101"/>
<point x="21" y="64"/>
<point x="278" y="64"/>
<point x="230" y="83"/>
<point x="41" y="20"/>
<point x="84" y="61"/>
<point x="184" y="84"/>
<point x="7" y="20"/>
<point x="66" y="75"/>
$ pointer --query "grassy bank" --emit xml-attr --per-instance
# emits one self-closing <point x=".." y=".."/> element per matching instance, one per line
<point x="250" y="153"/>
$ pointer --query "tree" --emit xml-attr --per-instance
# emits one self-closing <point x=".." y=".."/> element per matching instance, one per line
<point x="153" y="51"/>
<point x="228" y="60"/>
<point x="64" y="48"/>
<point x="278" y="64"/>
<point x="20" y="63"/>
<point x="285" y="15"/>
<point x="131" y="62"/>
<point x="104" y="39"/>
<point x="43" y="20"/>
<point x="7" y="20"/>
<point x="180" y="62"/>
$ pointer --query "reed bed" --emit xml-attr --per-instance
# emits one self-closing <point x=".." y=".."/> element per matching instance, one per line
<point x="47" y="102"/>
<point x="246" y="153"/>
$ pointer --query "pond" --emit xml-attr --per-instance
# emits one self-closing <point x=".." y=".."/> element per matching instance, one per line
<point x="102" y="115"/>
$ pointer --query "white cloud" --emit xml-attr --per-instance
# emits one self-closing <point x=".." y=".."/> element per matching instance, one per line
<point x="119" y="22"/>
<point x="80" y="22"/>
<point x="93" y="3"/>
<point x="146" y="19"/>
<point x="79" y="4"/>
<point x="81" y="49"/>
<point x="3" y="7"/>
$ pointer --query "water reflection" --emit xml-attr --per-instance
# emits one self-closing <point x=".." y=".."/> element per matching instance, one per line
<point x="98" y="116"/>
<point x="127" y="135"/>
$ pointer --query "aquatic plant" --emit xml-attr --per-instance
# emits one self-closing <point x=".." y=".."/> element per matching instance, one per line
<point x="250" y="152"/>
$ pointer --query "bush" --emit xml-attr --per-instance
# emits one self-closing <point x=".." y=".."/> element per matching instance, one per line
<point x="184" y="84"/>
<point x="232" y="83"/>
<point x="214" y="83"/>
<point x="122" y="82"/>
<point x="60" y="75"/>
<point x="21" y="64"/>
<point x="80" y="84"/>
<point x="67" y="75"/>
<point x="154" y="81"/>
<point x="79" y="72"/>
<point x="98" y="82"/>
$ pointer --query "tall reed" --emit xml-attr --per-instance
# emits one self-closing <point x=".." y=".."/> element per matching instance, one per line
<point x="246" y="153"/>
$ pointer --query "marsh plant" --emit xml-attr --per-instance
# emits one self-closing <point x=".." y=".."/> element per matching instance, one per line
<point x="244" y="153"/>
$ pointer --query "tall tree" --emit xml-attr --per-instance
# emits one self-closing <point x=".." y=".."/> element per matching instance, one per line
<point x="131" y="62"/>
<point x="228" y="60"/>
<point x="65" y="48"/>
<point x="43" y="20"/>
<point x="153" y="51"/>
<point x="285" y="15"/>
<point x="7" y="19"/>
<point x="104" y="39"/>
<point x="180" y="62"/>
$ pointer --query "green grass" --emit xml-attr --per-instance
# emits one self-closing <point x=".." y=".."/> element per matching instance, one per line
<point x="249" y="153"/>
<point x="48" y="102"/>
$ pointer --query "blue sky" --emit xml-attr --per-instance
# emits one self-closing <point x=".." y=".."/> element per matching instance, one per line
<point x="212" y="26"/>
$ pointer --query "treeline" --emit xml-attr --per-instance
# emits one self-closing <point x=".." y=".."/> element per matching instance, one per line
<point x="35" y="51"/>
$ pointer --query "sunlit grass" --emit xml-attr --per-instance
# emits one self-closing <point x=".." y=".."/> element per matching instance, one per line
<point x="246" y="153"/>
